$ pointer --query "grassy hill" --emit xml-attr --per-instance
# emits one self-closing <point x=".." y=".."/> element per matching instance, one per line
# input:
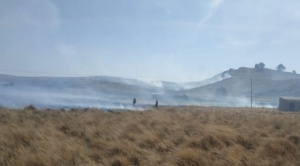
<point x="60" y="92"/>
<point x="102" y="91"/>
<point x="266" y="84"/>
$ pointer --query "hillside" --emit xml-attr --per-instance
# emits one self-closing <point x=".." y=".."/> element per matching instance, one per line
<point x="114" y="92"/>
<point x="99" y="91"/>
<point x="267" y="84"/>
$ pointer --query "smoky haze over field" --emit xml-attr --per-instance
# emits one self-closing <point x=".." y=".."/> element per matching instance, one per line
<point x="101" y="92"/>
<point x="54" y="92"/>
<point x="177" y="52"/>
<point x="229" y="88"/>
<point x="170" y="40"/>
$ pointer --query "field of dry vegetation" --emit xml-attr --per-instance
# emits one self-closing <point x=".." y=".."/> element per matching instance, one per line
<point x="168" y="136"/>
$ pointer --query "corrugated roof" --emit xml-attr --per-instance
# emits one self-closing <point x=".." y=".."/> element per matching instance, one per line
<point x="291" y="98"/>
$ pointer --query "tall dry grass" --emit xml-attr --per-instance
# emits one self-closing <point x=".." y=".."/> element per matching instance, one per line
<point x="167" y="136"/>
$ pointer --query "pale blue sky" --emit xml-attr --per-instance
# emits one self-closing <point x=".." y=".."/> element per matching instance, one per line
<point x="172" y="40"/>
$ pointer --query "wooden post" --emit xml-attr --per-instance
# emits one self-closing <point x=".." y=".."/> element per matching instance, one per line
<point x="251" y="92"/>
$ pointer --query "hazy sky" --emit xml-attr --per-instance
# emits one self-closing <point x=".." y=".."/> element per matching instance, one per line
<point x="175" y="40"/>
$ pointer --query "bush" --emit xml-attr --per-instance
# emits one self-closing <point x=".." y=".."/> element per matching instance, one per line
<point x="30" y="107"/>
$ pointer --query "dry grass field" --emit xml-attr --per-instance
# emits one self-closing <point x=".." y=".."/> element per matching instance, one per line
<point x="168" y="136"/>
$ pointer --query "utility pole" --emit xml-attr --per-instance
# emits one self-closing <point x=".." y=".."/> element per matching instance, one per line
<point x="251" y="92"/>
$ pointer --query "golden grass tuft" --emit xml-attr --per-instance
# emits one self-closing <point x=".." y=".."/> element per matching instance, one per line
<point x="120" y="161"/>
<point x="190" y="157"/>
<point x="276" y="148"/>
<point x="167" y="136"/>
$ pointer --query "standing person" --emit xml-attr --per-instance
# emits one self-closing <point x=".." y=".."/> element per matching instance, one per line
<point x="134" y="102"/>
<point x="156" y="104"/>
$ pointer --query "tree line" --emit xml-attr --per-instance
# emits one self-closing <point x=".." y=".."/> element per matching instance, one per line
<point x="260" y="66"/>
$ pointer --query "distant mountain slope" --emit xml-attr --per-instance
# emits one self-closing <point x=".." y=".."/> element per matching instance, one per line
<point x="114" y="92"/>
<point x="216" y="78"/>
<point x="76" y="83"/>
<point x="270" y="83"/>
<point x="101" y="91"/>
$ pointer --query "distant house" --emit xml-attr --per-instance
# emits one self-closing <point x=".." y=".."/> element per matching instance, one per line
<point x="289" y="103"/>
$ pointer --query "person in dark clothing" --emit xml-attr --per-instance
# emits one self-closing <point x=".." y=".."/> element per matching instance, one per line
<point x="134" y="102"/>
<point x="156" y="104"/>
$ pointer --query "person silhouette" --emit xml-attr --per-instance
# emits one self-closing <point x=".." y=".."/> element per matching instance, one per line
<point x="134" y="102"/>
<point x="156" y="104"/>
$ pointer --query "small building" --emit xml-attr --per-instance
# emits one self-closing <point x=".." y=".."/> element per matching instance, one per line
<point x="289" y="103"/>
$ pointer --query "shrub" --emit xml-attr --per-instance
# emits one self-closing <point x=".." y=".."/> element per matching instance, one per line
<point x="30" y="107"/>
